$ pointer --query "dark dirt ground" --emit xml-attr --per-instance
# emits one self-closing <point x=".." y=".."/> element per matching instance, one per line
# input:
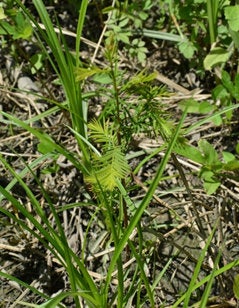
<point x="166" y="224"/>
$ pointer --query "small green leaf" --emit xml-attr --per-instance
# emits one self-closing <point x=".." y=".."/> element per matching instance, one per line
<point x="123" y="22"/>
<point x="143" y="15"/>
<point x="227" y="82"/>
<point x="232" y="165"/>
<point x="236" y="286"/>
<point x="231" y="14"/>
<point x="46" y="144"/>
<point x="237" y="148"/>
<point x="83" y="73"/>
<point x="227" y="156"/>
<point x="2" y="15"/>
<point x="210" y="183"/>
<point x="209" y="153"/>
<point x="211" y="188"/>
<point x="217" y="120"/>
<point x="235" y="37"/>
<point x="215" y="57"/>
<point x="196" y="107"/>
<point x="190" y="152"/>
<point x="26" y="32"/>
<point x="23" y="28"/>
<point x="187" y="49"/>
<point x="124" y="37"/>
<point x="103" y="78"/>
<point x="220" y="93"/>
<point x="36" y="62"/>
<point x="205" y="107"/>
<point x="191" y="104"/>
<point x="6" y="28"/>
<point x="141" y="55"/>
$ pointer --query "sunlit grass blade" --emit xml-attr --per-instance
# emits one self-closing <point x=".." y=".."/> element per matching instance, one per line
<point x="218" y="272"/>
<point x="210" y="118"/>
<point x="47" y="140"/>
<point x="206" y="293"/>
<point x="197" y="268"/>
<point x="23" y="284"/>
<point x="162" y="35"/>
<point x="143" y="275"/>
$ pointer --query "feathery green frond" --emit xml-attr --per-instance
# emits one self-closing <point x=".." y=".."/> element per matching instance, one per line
<point x="101" y="133"/>
<point x="111" y="165"/>
<point x="108" y="168"/>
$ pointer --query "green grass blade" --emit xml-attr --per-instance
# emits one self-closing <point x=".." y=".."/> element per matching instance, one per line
<point x="115" y="236"/>
<point x="143" y="275"/>
<point x="23" y="284"/>
<point x="25" y="171"/>
<point x="42" y="137"/>
<point x="163" y="271"/>
<point x="218" y="272"/>
<point x="206" y="293"/>
<point x="162" y="35"/>
<point x="212" y="11"/>
<point x="210" y="118"/>
<point x="197" y="268"/>
<point x="59" y="246"/>
<point x="81" y="19"/>
<point x="44" y="236"/>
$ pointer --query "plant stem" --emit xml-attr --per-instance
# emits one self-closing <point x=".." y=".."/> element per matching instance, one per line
<point x="212" y="11"/>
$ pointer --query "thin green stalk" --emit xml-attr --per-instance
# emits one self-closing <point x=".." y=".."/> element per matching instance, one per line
<point x="81" y="19"/>
<point x="212" y="13"/>
<point x="120" y="288"/>
<point x="206" y="293"/>
<point x="144" y="278"/>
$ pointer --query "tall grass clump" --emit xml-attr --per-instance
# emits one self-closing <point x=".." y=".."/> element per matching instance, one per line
<point x="64" y="64"/>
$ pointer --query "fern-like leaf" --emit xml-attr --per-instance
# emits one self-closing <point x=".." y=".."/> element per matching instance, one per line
<point x="107" y="169"/>
<point x="101" y="133"/>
